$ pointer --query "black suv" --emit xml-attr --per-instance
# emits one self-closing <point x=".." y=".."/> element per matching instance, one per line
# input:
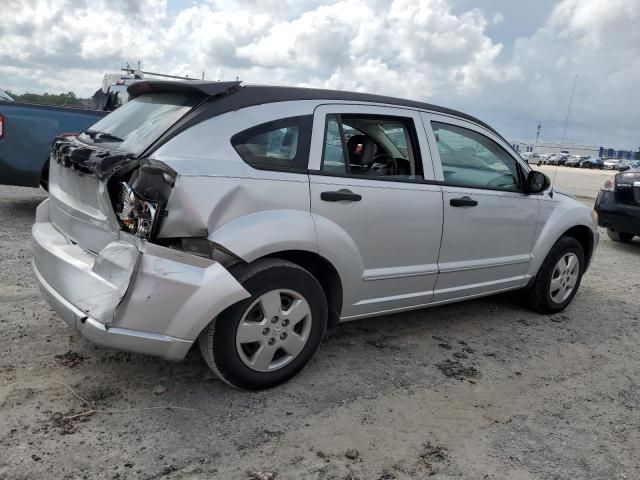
<point x="618" y="205"/>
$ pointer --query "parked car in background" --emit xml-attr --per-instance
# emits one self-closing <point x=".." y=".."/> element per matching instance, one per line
<point x="26" y="133"/>
<point x="543" y="158"/>
<point x="611" y="164"/>
<point x="529" y="157"/>
<point x="553" y="159"/>
<point x="573" y="161"/>
<point x="27" y="130"/>
<point x="557" y="159"/>
<point x="627" y="164"/>
<point x="113" y="93"/>
<point x="618" y="205"/>
<point x="591" y="162"/>
<point x="253" y="219"/>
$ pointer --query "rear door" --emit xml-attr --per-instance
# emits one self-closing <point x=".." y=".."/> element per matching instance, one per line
<point x="377" y="214"/>
<point x="489" y="222"/>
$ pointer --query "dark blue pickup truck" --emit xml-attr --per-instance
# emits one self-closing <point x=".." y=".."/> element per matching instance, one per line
<point x="26" y="133"/>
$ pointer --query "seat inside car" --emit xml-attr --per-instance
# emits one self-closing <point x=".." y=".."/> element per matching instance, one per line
<point x="361" y="149"/>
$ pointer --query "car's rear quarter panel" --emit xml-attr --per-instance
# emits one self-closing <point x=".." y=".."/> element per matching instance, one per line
<point x="215" y="187"/>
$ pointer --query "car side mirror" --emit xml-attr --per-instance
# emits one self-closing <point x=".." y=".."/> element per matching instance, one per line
<point x="537" y="182"/>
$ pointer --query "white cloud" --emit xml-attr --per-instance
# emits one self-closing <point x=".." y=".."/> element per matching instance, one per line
<point x="599" y="41"/>
<point x="419" y="49"/>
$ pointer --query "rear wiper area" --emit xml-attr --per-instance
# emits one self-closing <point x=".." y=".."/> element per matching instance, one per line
<point x="98" y="136"/>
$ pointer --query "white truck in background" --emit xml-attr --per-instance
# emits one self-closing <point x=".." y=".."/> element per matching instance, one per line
<point x="113" y="93"/>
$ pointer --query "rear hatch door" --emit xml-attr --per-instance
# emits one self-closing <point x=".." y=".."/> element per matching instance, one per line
<point x="628" y="188"/>
<point x="80" y="168"/>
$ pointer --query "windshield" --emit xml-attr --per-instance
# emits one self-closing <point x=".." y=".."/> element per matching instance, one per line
<point x="138" y="123"/>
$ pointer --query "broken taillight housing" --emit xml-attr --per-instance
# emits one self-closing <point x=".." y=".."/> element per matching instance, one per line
<point x="136" y="215"/>
<point x="139" y="198"/>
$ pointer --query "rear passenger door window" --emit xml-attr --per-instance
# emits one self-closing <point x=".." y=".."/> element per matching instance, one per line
<point x="371" y="146"/>
<point x="470" y="159"/>
<point x="279" y="145"/>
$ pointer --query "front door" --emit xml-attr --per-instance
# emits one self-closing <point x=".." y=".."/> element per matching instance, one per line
<point x="377" y="216"/>
<point x="489" y="222"/>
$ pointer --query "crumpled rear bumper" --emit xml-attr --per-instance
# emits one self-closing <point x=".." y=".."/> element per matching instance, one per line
<point x="132" y="295"/>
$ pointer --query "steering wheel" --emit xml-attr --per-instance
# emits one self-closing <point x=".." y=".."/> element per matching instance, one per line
<point x="389" y="161"/>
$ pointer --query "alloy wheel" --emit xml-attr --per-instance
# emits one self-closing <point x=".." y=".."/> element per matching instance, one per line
<point x="273" y="330"/>
<point x="564" y="277"/>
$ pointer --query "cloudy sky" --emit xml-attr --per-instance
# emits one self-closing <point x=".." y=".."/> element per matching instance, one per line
<point x="509" y="62"/>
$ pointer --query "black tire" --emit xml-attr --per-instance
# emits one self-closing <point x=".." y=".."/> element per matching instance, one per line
<point x="617" y="236"/>
<point x="218" y="340"/>
<point x="538" y="296"/>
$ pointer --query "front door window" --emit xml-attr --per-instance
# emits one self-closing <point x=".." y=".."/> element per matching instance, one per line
<point x="469" y="159"/>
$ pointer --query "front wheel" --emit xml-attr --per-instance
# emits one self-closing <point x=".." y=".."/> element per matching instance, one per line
<point x="559" y="277"/>
<point x="617" y="236"/>
<point x="266" y="339"/>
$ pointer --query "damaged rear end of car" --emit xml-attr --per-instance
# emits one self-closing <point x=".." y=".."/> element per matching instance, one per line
<point x="97" y="256"/>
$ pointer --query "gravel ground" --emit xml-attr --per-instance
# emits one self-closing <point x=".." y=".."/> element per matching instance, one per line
<point x="479" y="390"/>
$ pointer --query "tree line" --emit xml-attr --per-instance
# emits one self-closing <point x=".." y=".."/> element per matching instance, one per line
<point x="60" y="99"/>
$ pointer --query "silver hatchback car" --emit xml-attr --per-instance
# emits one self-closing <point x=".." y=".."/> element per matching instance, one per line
<point x="253" y="219"/>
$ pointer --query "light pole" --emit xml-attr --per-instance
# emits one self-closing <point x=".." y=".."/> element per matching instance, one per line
<point x="538" y="136"/>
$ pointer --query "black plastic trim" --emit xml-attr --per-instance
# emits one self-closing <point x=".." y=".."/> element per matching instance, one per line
<point x="208" y="89"/>
<point x="340" y="195"/>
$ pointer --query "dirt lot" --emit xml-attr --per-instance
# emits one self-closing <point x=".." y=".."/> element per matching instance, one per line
<point x="579" y="181"/>
<point x="481" y="390"/>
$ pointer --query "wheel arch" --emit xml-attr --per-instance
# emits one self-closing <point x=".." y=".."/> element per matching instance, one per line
<point x="584" y="235"/>
<point x="568" y="218"/>
<point x="326" y="274"/>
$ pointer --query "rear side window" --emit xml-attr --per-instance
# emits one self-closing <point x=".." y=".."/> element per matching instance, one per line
<point x="278" y="145"/>
<point x="372" y="146"/>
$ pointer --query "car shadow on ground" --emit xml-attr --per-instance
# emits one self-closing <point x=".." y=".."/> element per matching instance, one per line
<point x="379" y="348"/>
<point x="630" y="247"/>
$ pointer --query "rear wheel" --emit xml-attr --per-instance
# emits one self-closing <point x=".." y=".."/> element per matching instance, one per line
<point x="265" y="340"/>
<point x="559" y="277"/>
<point x="617" y="236"/>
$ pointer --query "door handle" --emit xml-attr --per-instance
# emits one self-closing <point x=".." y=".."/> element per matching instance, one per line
<point x="341" y="194"/>
<point x="463" y="202"/>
